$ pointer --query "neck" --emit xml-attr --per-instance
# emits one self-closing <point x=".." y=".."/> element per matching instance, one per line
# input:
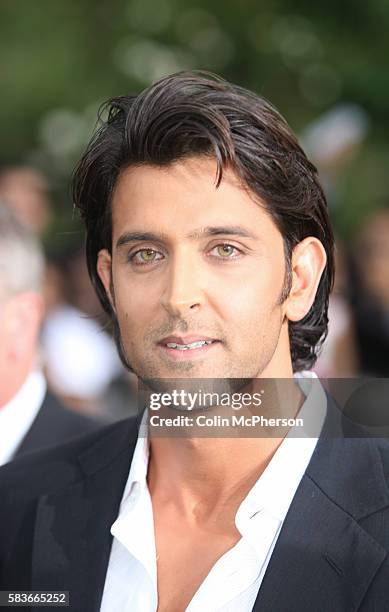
<point x="192" y="472"/>
<point x="215" y="470"/>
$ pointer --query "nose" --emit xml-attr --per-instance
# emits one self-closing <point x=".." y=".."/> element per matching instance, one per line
<point x="183" y="293"/>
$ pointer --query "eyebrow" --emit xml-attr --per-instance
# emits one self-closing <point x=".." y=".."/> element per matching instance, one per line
<point x="204" y="232"/>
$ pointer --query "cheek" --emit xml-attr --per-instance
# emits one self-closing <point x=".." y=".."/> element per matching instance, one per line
<point x="136" y="305"/>
<point x="253" y="297"/>
<point x="248" y="317"/>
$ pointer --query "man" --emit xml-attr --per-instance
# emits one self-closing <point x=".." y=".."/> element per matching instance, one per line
<point x="209" y="244"/>
<point x="30" y="418"/>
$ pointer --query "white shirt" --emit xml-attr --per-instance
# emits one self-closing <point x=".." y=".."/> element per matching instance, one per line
<point x="232" y="584"/>
<point x="17" y="416"/>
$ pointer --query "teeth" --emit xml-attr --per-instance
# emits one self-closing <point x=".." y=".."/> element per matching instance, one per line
<point x="186" y="347"/>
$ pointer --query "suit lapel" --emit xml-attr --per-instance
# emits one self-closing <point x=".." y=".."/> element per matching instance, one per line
<point x="323" y="558"/>
<point x="72" y="539"/>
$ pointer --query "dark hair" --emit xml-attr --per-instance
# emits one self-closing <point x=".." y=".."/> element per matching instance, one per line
<point x="195" y="113"/>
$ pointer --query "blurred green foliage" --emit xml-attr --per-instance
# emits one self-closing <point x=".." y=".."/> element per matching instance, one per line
<point x="60" y="59"/>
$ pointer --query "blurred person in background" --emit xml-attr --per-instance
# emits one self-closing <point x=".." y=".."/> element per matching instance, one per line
<point x="30" y="417"/>
<point x="81" y="363"/>
<point x="371" y="293"/>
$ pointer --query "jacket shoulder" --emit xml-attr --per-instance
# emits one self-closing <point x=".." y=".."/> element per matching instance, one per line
<point x="55" y="424"/>
<point x="77" y="422"/>
<point x="48" y="471"/>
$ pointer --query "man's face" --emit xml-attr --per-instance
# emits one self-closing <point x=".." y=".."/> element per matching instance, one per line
<point x="192" y="263"/>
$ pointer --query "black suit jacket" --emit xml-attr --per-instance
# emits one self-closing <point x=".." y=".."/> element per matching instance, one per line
<point x="57" y="508"/>
<point x="53" y="425"/>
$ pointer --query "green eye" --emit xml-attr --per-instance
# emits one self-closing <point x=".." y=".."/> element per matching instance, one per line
<point x="147" y="254"/>
<point x="225" y="250"/>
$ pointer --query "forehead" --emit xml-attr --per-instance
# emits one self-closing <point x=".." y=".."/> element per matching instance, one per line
<point x="183" y="196"/>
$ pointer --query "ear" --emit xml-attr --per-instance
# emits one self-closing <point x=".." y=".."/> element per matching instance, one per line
<point x="104" y="270"/>
<point x="308" y="262"/>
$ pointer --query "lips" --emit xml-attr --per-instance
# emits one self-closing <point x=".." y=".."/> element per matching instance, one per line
<point x="187" y="348"/>
<point x="185" y="340"/>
